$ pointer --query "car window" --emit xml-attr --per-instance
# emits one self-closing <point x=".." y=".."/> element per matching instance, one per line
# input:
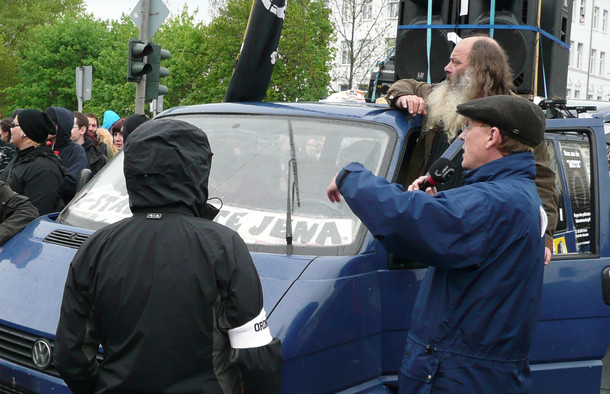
<point x="571" y="161"/>
<point x="260" y="167"/>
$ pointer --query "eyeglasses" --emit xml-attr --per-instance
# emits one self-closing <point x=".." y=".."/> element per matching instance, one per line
<point x="13" y="125"/>
<point x="468" y="126"/>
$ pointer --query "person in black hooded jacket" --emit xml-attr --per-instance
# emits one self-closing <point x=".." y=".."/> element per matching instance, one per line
<point x="173" y="297"/>
<point x="35" y="171"/>
<point x="72" y="154"/>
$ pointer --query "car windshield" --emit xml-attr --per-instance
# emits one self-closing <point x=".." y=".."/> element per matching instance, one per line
<point x="265" y="170"/>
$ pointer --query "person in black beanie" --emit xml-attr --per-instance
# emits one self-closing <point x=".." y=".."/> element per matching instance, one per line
<point x="35" y="171"/>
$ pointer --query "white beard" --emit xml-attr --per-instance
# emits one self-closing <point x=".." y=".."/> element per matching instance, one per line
<point x="442" y="102"/>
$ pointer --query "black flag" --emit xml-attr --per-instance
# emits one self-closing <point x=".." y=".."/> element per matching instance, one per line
<point x="255" y="61"/>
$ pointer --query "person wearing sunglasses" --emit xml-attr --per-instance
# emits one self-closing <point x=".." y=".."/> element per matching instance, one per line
<point x="35" y="171"/>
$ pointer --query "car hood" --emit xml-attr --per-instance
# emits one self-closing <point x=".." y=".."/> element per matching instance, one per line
<point x="33" y="272"/>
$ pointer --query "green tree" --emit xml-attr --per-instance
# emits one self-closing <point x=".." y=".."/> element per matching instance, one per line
<point x="304" y="54"/>
<point x="302" y="67"/>
<point x="224" y="37"/>
<point x="110" y="88"/>
<point x="46" y="69"/>
<point x="185" y="40"/>
<point x="19" y="18"/>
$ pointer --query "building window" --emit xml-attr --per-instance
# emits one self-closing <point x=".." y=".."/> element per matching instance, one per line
<point x="345" y="52"/>
<point x="595" y="18"/>
<point x="602" y="65"/>
<point x="599" y="98"/>
<point x="578" y="55"/>
<point x="589" y="97"/>
<point x="365" y="49"/>
<point x="394" y="7"/>
<point x="593" y="61"/>
<point x="572" y="54"/>
<point x="605" y="21"/>
<point x="582" y="11"/>
<point x="568" y="93"/>
<point x="577" y="94"/>
<point x="347" y="8"/>
<point x="367" y="10"/>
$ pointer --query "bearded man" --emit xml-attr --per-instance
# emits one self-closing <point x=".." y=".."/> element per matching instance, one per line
<point x="478" y="68"/>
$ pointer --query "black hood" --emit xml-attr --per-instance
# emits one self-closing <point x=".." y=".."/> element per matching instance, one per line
<point x="64" y="121"/>
<point x="167" y="163"/>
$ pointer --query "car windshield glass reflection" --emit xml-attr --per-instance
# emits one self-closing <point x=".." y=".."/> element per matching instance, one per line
<point x="250" y="175"/>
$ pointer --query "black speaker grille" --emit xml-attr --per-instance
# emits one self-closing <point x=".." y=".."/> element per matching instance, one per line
<point x="412" y="58"/>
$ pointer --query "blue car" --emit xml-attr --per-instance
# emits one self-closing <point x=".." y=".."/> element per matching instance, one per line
<point x="338" y="301"/>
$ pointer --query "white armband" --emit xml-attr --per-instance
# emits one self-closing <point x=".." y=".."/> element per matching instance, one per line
<point x="254" y="333"/>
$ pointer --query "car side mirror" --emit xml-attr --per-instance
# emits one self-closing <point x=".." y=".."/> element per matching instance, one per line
<point x="84" y="177"/>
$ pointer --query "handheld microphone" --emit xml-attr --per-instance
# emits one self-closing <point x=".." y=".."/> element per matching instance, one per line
<point x="440" y="171"/>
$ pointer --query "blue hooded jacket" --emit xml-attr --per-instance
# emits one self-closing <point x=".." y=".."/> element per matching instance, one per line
<point x="72" y="154"/>
<point x="477" y="307"/>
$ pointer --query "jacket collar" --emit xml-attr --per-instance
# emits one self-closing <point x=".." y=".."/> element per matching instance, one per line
<point x="516" y="164"/>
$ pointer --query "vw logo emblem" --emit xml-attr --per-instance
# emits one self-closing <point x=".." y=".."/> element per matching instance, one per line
<point x="41" y="353"/>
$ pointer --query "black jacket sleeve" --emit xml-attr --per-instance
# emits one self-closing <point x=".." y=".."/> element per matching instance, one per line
<point x="77" y="342"/>
<point x="258" y="355"/>
<point x="16" y="212"/>
<point x="261" y="367"/>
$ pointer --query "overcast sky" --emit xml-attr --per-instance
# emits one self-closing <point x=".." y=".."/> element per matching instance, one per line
<point x="112" y="9"/>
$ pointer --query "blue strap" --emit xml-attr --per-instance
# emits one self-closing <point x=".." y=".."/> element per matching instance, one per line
<point x="492" y="17"/>
<point x="546" y="94"/>
<point x="498" y="27"/>
<point x="429" y="37"/>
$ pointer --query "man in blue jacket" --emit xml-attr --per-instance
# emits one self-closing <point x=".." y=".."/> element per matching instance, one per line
<point x="477" y="307"/>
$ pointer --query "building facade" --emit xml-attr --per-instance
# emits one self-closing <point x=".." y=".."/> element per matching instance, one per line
<point x="365" y="33"/>
<point x="588" y="71"/>
<point x="374" y="36"/>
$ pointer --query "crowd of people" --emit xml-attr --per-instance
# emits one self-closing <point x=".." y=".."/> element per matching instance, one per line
<point x="43" y="153"/>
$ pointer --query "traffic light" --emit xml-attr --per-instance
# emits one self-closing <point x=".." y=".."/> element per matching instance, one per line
<point x="153" y="89"/>
<point x="135" y="64"/>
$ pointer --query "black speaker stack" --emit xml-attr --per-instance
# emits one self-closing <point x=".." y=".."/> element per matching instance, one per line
<point x="514" y="24"/>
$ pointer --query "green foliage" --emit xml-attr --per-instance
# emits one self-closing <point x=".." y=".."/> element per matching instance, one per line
<point x="19" y="19"/>
<point x="110" y="87"/>
<point x="201" y="63"/>
<point x="224" y="38"/>
<point x="20" y="16"/>
<point x="303" y="64"/>
<point x="305" y="53"/>
<point x="185" y="40"/>
<point x="47" y="67"/>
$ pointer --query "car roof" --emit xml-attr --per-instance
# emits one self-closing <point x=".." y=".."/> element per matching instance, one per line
<point x="312" y="109"/>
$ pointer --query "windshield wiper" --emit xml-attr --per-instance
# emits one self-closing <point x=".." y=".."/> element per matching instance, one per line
<point x="291" y="187"/>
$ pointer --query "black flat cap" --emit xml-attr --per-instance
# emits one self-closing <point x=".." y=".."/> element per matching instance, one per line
<point x="516" y="117"/>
